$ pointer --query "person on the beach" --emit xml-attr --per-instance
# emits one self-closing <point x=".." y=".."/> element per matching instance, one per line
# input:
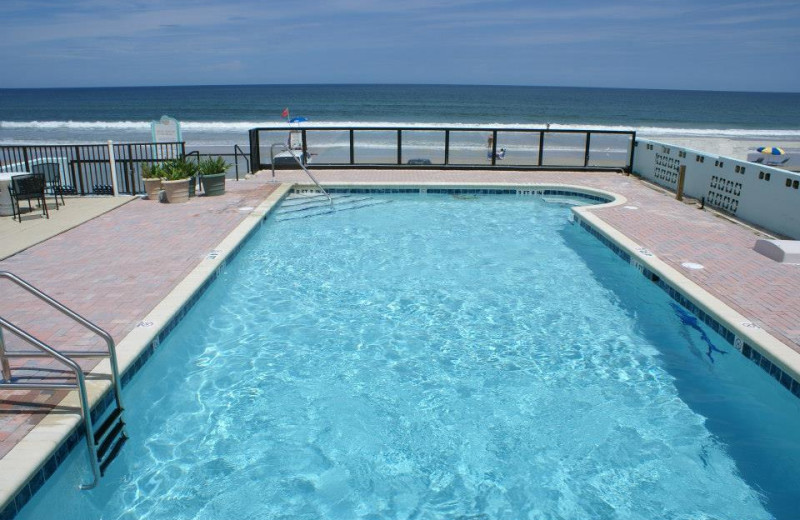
<point x="491" y="142"/>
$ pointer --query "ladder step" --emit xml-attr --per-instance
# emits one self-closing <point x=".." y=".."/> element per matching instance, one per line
<point x="328" y="211"/>
<point x="304" y="200"/>
<point x="284" y="211"/>
<point x="295" y="215"/>
<point x="112" y="455"/>
<point x="110" y="420"/>
<point x="103" y="448"/>
<point x="294" y="208"/>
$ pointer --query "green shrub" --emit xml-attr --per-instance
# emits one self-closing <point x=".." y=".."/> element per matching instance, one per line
<point x="212" y="166"/>
<point x="178" y="169"/>
<point x="152" y="171"/>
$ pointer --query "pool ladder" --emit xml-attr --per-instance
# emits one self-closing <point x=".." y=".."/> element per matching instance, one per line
<point x="302" y="205"/>
<point x="318" y="203"/>
<point x="301" y="164"/>
<point x="103" y="443"/>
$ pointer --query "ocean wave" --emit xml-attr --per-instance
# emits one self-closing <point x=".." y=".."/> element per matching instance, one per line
<point x="244" y="126"/>
<point x="75" y="125"/>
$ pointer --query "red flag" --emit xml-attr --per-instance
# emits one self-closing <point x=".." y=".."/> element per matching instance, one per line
<point x="285" y="113"/>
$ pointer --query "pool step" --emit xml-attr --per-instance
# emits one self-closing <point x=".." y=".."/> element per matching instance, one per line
<point x="320" y="203"/>
<point x="309" y="200"/>
<point x="109" y="439"/>
<point x="304" y="206"/>
<point x="566" y="201"/>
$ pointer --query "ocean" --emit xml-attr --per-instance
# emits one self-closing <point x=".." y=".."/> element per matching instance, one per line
<point x="222" y="115"/>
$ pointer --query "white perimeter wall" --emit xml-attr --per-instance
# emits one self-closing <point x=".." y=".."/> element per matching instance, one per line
<point x="764" y="196"/>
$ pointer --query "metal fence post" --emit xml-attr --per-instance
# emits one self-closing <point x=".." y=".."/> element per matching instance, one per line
<point x="541" y="148"/>
<point x="446" y="147"/>
<point x="112" y="162"/>
<point x="305" y="145"/>
<point x="631" y="155"/>
<point x="352" y="148"/>
<point x="255" y="151"/>
<point x="588" y="148"/>
<point x="399" y="146"/>
<point x="130" y="182"/>
<point x="494" y="147"/>
<point x="79" y="167"/>
<point x="25" y="158"/>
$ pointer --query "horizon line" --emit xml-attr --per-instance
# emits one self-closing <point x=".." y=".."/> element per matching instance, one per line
<point x="394" y="84"/>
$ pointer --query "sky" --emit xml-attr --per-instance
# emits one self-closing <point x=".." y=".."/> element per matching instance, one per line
<point x="664" y="44"/>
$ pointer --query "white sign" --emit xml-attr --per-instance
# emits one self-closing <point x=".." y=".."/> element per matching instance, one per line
<point x="166" y="130"/>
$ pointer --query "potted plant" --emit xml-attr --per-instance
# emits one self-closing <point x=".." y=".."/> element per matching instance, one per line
<point x="212" y="175"/>
<point x="151" y="175"/>
<point x="177" y="175"/>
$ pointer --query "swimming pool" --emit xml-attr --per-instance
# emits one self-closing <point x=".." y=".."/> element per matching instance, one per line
<point x="438" y="357"/>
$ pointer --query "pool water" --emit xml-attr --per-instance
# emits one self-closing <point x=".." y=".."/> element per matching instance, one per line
<point x="441" y="357"/>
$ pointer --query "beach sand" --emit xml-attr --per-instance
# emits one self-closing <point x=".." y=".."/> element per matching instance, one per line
<point x="473" y="150"/>
<point x="726" y="147"/>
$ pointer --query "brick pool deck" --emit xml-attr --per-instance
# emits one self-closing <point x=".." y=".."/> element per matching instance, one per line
<point x="113" y="270"/>
<point x="116" y="268"/>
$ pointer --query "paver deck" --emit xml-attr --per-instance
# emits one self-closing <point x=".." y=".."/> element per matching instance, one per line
<point x="113" y="270"/>
<point x="116" y="268"/>
<point x="34" y="228"/>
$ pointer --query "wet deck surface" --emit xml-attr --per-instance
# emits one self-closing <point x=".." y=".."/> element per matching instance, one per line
<point x="117" y="267"/>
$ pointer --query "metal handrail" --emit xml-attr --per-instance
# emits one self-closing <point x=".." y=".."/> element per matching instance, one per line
<point x="302" y="166"/>
<point x="112" y="354"/>
<point x="236" y="152"/>
<point x="80" y="384"/>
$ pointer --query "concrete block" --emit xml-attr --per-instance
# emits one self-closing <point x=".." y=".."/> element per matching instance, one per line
<point x="783" y="251"/>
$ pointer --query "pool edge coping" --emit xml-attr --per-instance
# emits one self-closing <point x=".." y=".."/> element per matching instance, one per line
<point x="21" y="465"/>
<point x="49" y="436"/>
<point x="767" y="344"/>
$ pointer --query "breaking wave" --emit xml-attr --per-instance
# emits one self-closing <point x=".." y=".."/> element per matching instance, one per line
<point x="241" y="127"/>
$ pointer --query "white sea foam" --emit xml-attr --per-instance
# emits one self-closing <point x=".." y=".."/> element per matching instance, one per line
<point x="242" y="127"/>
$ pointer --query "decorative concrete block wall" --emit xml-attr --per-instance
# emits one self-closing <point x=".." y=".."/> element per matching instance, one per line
<point x="761" y="195"/>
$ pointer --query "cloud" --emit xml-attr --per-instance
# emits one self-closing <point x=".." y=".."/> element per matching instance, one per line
<point x="195" y="39"/>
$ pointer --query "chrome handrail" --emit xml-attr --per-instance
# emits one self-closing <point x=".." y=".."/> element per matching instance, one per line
<point x="86" y="414"/>
<point x="112" y="351"/>
<point x="300" y="163"/>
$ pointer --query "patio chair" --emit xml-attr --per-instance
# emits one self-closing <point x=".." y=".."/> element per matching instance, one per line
<point x="52" y="176"/>
<point x="27" y="187"/>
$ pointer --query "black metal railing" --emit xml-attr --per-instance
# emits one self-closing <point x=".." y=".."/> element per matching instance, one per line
<point x="85" y="169"/>
<point x="130" y="157"/>
<point x="234" y="160"/>
<point x="238" y="152"/>
<point x="440" y="147"/>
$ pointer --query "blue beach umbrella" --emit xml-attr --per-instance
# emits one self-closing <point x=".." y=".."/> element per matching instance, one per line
<point x="298" y="119"/>
<point x="770" y="150"/>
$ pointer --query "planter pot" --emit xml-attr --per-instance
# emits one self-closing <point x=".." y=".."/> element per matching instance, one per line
<point x="152" y="187"/>
<point x="176" y="191"/>
<point x="213" y="184"/>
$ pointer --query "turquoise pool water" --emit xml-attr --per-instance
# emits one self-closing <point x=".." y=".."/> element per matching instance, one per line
<point x="441" y="357"/>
